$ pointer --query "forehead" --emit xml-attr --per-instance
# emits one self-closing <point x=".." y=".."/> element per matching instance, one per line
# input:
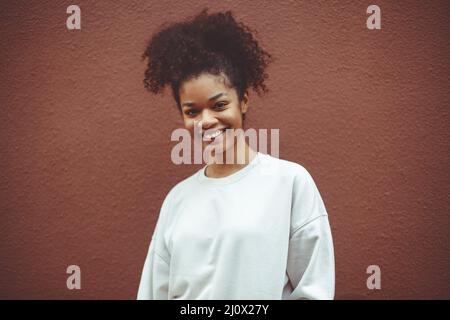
<point x="203" y="87"/>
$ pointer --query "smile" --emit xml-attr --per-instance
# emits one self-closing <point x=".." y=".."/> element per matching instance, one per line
<point x="212" y="136"/>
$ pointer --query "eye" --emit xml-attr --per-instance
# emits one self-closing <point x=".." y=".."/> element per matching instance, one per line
<point x="190" y="112"/>
<point x="220" y="105"/>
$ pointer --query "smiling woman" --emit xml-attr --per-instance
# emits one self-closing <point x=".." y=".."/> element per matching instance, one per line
<point x="222" y="110"/>
<point x="252" y="230"/>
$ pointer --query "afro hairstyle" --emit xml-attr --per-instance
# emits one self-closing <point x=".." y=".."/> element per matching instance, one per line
<point x="208" y="43"/>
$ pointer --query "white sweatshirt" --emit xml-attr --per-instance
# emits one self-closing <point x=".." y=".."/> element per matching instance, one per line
<point x="259" y="233"/>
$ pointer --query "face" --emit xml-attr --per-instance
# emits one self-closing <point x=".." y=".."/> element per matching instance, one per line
<point x="210" y="100"/>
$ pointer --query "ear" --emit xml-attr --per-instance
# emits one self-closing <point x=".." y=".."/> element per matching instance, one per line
<point x="244" y="103"/>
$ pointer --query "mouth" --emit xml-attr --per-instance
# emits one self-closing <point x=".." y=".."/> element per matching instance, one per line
<point x="214" y="135"/>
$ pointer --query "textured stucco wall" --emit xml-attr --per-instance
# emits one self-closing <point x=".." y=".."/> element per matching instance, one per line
<point x="85" y="150"/>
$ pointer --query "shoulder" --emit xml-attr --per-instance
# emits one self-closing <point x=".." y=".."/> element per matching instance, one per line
<point x="307" y="202"/>
<point x="181" y="189"/>
<point x="284" y="169"/>
<point x="301" y="179"/>
<point x="173" y="200"/>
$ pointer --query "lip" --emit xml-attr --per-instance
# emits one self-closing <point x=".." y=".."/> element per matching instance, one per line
<point x="215" y="130"/>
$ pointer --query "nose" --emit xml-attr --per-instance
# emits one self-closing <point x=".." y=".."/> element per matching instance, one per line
<point x="208" y="120"/>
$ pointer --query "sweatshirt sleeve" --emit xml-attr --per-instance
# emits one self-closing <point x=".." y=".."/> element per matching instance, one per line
<point x="154" y="284"/>
<point x="310" y="266"/>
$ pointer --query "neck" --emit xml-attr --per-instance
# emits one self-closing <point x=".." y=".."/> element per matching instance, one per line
<point x="216" y="170"/>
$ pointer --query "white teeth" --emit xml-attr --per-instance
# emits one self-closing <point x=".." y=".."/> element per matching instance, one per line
<point x="214" y="135"/>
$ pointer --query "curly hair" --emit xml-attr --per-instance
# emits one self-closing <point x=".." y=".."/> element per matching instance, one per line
<point x="213" y="43"/>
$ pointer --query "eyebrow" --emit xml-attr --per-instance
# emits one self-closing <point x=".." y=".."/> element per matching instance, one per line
<point x="189" y="103"/>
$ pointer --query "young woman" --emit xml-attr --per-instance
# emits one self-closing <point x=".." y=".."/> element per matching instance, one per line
<point x="252" y="230"/>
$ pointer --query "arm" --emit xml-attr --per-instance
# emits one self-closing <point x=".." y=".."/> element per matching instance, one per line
<point x="311" y="261"/>
<point x="154" y="284"/>
<point x="310" y="266"/>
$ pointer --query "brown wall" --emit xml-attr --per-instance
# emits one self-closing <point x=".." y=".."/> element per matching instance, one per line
<point x="85" y="150"/>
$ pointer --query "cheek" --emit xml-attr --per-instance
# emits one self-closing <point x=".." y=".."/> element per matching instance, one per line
<point x="233" y="117"/>
<point x="188" y="123"/>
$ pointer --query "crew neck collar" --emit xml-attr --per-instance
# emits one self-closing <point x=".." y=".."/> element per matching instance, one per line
<point x="201" y="176"/>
